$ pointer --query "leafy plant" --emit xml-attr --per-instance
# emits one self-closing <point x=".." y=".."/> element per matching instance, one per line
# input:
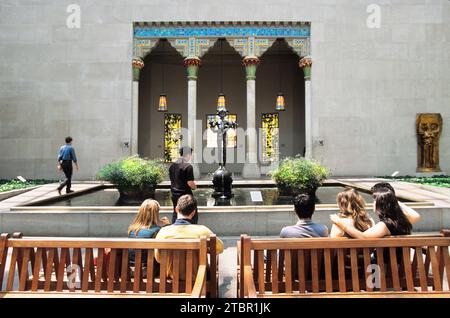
<point x="299" y="174"/>
<point x="9" y="185"/>
<point x="437" y="180"/>
<point x="134" y="172"/>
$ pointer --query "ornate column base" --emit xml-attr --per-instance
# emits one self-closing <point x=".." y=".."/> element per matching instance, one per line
<point x="251" y="170"/>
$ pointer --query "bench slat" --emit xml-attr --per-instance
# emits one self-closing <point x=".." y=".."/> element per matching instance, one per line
<point x="315" y="271"/>
<point x="368" y="273"/>
<point x="354" y="266"/>
<point x="24" y="270"/>
<point x="150" y="258"/>
<point x="176" y="272"/>
<point x="260" y="266"/>
<point x="61" y="269"/>
<point x="301" y="271"/>
<point x="446" y="264"/>
<point x="380" y="263"/>
<point x="99" y="273"/>
<point x="273" y="256"/>
<point x="37" y="269"/>
<point x="421" y="269"/>
<point x="408" y="270"/>
<point x="189" y="270"/>
<point x="341" y="269"/>
<point x="328" y="273"/>
<point x="163" y="271"/>
<point x="288" y="270"/>
<point x="137" y="270"/>
<point x="394" y="268"/>
<point x="435" y="269"/>
<point x="87" y="269"/>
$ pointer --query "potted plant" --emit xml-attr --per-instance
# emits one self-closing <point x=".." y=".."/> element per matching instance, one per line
<point x="134" y="177"/>
<point x="297" y="175"/>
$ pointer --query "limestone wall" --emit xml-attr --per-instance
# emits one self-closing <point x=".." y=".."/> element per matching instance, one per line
<point x="368" y="84"/>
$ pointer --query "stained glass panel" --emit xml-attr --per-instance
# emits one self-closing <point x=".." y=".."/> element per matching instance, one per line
<point x="211" y="136"/>
<point x="172" y="136"/>
<point x="270" y="137"/>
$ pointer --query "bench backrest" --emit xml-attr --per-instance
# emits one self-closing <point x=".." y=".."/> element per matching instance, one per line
<point x="50" y="265"/>
<point x="324" y="266"/>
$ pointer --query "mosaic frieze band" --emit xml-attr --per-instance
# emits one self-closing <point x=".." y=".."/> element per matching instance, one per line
<point x="221" y="31"/>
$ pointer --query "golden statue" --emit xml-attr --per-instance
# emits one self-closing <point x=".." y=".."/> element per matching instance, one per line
<point x="429" y="127"/>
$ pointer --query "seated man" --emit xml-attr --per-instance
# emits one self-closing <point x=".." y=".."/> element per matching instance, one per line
<point x="183" y="228"/>
<point x="304" y="208"/>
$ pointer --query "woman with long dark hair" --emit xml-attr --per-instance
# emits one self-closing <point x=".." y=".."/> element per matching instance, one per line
<point x="395" y="217"/>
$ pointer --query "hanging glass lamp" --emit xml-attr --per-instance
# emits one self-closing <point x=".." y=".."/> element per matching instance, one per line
<point x="162" y="106"/>
<point x="221" y="102"/>
<point x="280" y="106"/>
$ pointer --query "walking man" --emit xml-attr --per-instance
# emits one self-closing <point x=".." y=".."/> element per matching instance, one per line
<point x="182" y="180"/>
<point x="65" y="158"/>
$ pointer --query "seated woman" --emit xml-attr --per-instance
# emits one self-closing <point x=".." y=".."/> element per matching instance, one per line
<point x="146" y="224"/>
<point x="352" y="212"/>
<point x="395" y="218"/>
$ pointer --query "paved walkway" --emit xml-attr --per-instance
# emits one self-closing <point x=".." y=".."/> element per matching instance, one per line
<point x="47" y="191"/>
<point x="411" y="191"/>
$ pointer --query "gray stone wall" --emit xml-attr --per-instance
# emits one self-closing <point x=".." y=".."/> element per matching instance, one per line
<point x="368" y="84"/>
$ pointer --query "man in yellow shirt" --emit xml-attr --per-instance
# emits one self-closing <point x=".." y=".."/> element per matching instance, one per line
<point x="182" y="228"/>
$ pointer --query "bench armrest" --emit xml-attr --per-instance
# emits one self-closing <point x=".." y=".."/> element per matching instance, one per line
<point x="199" y="282"/>
<point x="249" y="283"/>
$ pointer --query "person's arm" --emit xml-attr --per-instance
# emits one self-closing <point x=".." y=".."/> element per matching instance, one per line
<point x="60" y="155"/>
<point x="192" y="185"/>
<point x="411" y="214"/>
<point x="190" y="178"/>
<point x="336" y="231"/>
<point x="74" y="158"/>
<point x="377" y="231"/>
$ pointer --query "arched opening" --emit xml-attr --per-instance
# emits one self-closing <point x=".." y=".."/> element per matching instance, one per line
<point x="222" y="60"/>
<point x="162" y="61"/>
<point x="279" y="71"/>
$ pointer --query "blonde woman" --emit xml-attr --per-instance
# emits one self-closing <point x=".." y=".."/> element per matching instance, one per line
<point x="352" y="212"/>
<point x="146" y="224"/>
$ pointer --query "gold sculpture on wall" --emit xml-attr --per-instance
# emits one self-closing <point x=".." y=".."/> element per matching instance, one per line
<point x="429" y="128"/>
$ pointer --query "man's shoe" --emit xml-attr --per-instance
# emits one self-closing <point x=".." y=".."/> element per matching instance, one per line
<point x="70" y="191"/>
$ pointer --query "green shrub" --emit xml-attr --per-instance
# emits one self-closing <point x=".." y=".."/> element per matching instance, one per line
<point x="299" y="174"/>
<point x="134" y="172"/>
<point x="9" y="185"/>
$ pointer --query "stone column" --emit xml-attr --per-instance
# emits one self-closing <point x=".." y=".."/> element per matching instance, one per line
<point x="192" y="64"/>
<point x="251" y="167"/>
<point x="305" y="63"/>
<point x="138" y="64"/>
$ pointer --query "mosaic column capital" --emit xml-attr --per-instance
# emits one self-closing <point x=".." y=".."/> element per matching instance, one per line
<point x="192" y="64"/>
<point x="305" y="63"/>
<point x="137" y="64"/>
<point x="250" y="63"/>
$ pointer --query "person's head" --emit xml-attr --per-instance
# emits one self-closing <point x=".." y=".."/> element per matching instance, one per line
<point x="304" y="206"/>
<point x="389" y="211"/>
<point x="351" y="204"/>
<point x="186" y="153"/>
<point x="186" y="206"/>
<point x="147" y="216"/>
<point x="68" y="140"/>
<point x="382" y="185"/>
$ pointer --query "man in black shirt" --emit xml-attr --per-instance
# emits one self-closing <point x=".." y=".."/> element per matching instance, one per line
<point x="182" y="180"/>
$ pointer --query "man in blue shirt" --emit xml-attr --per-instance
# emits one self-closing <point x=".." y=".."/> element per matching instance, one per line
<point x="304" y="208"/>
<point x="65" y="157"/>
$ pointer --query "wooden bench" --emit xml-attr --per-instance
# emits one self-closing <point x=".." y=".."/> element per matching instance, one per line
<point x="47" y="267"/>
<point x="325" y="267"/>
